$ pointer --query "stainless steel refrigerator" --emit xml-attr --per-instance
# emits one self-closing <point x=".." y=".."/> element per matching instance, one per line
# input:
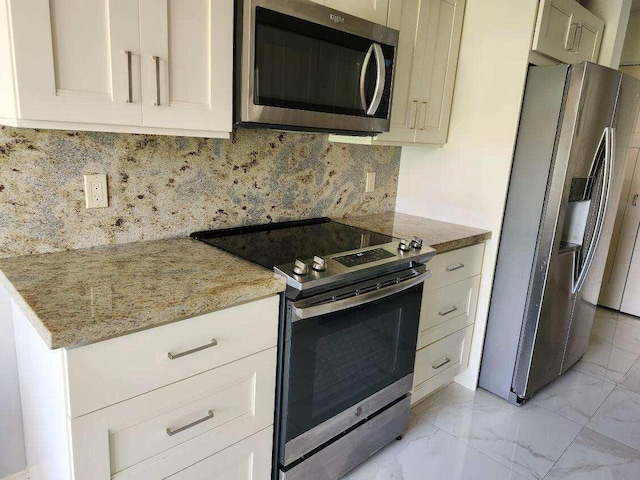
<point x="575" y="126"/>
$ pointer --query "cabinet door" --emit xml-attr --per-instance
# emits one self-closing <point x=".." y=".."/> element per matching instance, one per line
<point x="187" y="63"/>
<point x="439" y="70"/>
<point x="624" y="235"/>
<point x="70" y="60"/>
<point x="373" y="10"/>
<point x="567" y="31"/>
<point x="408" y="75"/>
<point x="589" y="38"/>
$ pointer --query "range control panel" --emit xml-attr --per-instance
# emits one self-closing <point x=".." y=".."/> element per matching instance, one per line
<point x="361" y="258"/>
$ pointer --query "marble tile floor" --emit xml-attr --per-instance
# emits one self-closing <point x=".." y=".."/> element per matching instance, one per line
<point x="584" y="426"/>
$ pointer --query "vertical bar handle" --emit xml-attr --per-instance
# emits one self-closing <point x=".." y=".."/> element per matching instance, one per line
<point x="363" y="79"/>
<point x="423" y="118"/>
<point x="415" y="116"/>
<point x="608" y="137"/>
<point x="578" y="40"/>
<point x="129" y="77"/>
<point x="156" y="59"/>
<point x="635" y="200"/>
<point x="381" y="80"/>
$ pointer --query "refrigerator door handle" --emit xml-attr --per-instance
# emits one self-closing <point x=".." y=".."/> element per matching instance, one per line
<point x="608" y="136"/>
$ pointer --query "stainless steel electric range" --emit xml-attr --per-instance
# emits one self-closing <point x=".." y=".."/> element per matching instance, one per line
<point x="348" y="333"/>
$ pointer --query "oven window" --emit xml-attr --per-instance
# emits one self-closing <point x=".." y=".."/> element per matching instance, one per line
<point x="340" y="359"/>
<point x="305" y="66"/>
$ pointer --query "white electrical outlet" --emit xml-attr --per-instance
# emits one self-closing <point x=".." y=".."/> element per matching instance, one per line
<point x="95" y="191"/>
<point x="371" y="182"/>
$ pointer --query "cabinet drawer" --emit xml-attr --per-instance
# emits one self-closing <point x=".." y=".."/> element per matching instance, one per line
<point x="108" y="372"/>
<point x="447" y="309"/>
<point x="456" y="265"/>
<point x="248" y="460"/>
<point x="164" y="431"/>
<point x="451" y="353"/>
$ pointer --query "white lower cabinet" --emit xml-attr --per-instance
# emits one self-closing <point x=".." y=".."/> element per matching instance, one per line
<point x="249" y="459"/>
<point x="447" y="319"/>
<point x="210" y="415"/>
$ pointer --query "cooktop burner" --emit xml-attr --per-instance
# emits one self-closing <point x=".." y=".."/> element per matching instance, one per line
<point x="314" y="252"/>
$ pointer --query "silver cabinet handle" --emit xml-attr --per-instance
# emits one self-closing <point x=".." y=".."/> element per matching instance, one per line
<point x="578" y="39"/>
<point x="572" y="27"/>
<point x="173" y="356"/>
<point x="172" y="432"/>
<point x="441" y="364"/>
<point x="156" y="59"/>
<point x="415" y="116"/>
<point x="447" y="312"/>
<point x="423" y="118"/>
<point x="635" y="200"/>
<point x="129" y="76"/>
<point x="453" y="268"/>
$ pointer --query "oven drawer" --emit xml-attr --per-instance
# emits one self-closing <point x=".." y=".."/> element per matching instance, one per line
<point x="451" y="354"/>
<point x="164" y="431"/>
<point x="447" y="309"/>
<point x="249" y="459"/>
<point x="109" y="372"/>
<point x="453" y="266"/>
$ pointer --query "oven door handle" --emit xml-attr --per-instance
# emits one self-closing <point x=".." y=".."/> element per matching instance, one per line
<point x="357" y="300"/>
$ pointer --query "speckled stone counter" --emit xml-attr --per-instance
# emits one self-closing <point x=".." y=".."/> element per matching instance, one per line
<point x="84" y="296"/>
<point x="441" y="236"/>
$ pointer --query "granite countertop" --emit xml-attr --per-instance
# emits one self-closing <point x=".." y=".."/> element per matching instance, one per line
<point x="441" y="236"/>
<point x="84" y="296"/>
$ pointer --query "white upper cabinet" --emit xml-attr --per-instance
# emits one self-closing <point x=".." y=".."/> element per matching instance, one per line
<point x="568" y="32"/>
<point x="426" y="63"/>
<point x="70" y="60"/>
<point x="373" y="10"/>
<point x="140" y="66"/>
<point x="187" y="61"/>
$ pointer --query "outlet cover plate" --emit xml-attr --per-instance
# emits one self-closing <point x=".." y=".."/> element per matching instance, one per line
<point x="95" y="191"/>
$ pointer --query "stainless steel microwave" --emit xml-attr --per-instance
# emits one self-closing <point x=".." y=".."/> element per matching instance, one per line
<point x="304" y="66"/>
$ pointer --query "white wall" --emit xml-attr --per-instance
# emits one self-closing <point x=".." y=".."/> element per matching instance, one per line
<point x="12" y="454"/>
<point x="466" y="181"/>
<point x="615" y="14"/>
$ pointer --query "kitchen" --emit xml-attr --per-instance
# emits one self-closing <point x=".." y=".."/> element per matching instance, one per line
<point x="170" y="174"/>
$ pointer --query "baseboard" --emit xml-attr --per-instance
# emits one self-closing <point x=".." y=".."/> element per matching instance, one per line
<point x="22" y="475"/>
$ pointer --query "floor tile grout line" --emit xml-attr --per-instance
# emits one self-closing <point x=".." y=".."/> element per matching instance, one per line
<point x="475" y="449"/>
<point x="564" y="451"/>
<point x="499" y="461"/>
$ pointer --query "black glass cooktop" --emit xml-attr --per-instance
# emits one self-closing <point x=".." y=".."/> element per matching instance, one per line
<point x="280" y="243"/>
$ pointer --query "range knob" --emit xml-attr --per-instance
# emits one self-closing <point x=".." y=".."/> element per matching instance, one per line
<point x="416" y="243"/>
<point x="300" y="268"/>
<point x="319" y="264"/>
<point x="404" y="245"/>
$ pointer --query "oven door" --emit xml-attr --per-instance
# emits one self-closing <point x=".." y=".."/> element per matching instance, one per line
<point x="307" y="66"/>
<point x="348" y="355"/>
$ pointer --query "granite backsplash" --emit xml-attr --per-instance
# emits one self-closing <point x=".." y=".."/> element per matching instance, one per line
<point x="161" y="186"/>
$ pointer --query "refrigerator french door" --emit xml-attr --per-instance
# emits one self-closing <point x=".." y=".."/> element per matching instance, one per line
<point x="566" y="178"/>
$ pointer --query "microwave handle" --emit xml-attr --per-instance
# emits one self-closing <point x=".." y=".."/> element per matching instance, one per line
<point x="332" y="307"/>
<point x="374" y="49"/>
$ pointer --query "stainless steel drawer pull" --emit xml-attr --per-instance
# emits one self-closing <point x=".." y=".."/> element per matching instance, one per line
<point x="453" y="268"/>
<point x="173" y="356"/>
<point x="157" y="61"/>
<point x="635" y="200"/>
<point x="441" y="364"/>
<point x="447" y="312"/>
<point x="130" y="77"/>
<point x="171" y="432"/>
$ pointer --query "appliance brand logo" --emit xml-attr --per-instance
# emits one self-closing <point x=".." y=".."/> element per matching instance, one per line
<point x="336" y="18"/>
